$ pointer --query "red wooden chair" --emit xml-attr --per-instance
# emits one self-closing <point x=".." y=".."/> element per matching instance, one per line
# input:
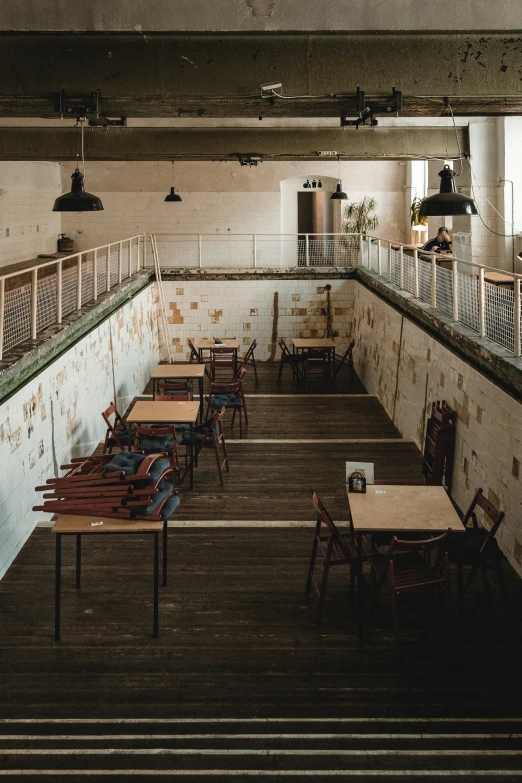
<point x="173" y="391"/>
<point x="336" y="549"/>
<point x="293" y="360"/>
<point x="209" y="435"/>
<point x="231" y="396"/>
<point x="345" y="360"/>
<point x="249" y="359"/>
<point x="412" y="565"/>
<point x="117" y="433"/>
<point x="223" y="363"/>
<point x="155" y="440"/>
<point x="477" y="548"/>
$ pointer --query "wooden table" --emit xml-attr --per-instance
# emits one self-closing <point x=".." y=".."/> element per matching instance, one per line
<point x="185" y="371"/>
<point x="397" y="508"/>
<point x="206" y="343"/>
<point x="500" y="279"/>
<point x="73" y="525"/>
<point x="325" y="344"/>
<point x="156" y="412"/>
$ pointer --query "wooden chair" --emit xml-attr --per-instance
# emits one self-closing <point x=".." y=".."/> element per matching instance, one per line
<point x="231" y="396"/>
<point x="336" y="549"/>
<point x="155" y="440"/>
<point x="412" y="565"/>
<point x="315" y="364"/>
<point x="345" y="360"/>
<point x="295" y="361"/>
<point x="249" y="358"/>
<point x="209" y="435"/>
<point x="223" y="363"/>
<point x="477" y="548"/>
<point x="439" y="446"/>
<point x="117" y="433"/>
<point x="173" y="391"/>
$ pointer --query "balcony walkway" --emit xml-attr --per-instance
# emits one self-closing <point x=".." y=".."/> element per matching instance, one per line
<point x="240" y="678"/>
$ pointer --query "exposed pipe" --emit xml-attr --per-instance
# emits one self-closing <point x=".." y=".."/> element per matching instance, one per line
<point x="512" y="220"/>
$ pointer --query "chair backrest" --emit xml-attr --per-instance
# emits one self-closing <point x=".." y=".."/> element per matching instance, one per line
<point x="170" y="391"/>
<point x="423" y="546"/>
<point x="284" y="347"/>
<point x="493" y="514"/>
<point x="347" y="356"/>
<point x="222" y="360"/>
<point x="113" y="427"/>
<point x="249" y="356"/>
<point x="194" y="355"/>
<point x="140" y="431"/>
<point x="325" y="519"/>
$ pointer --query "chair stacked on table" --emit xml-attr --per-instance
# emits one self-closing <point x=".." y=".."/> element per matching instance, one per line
<point x="126" y="485"/>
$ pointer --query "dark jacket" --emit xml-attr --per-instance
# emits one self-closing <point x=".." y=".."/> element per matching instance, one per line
<point x="434" y="244"/>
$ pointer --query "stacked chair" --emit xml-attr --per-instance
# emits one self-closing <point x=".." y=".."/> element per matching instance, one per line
<point x="439" y="447"/>
<point x="126" y="485"/>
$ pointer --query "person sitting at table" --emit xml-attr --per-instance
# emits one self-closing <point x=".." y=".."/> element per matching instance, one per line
<point x="441" y="243"/>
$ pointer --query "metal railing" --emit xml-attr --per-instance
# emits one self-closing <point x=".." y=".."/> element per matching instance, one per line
<point x="35" y="297"/>
<point x="457" y="288"/>
<point x="204" y="251"/>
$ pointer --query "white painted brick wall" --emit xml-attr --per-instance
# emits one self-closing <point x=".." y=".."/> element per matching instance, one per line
<point x="28" y="226"/>
<point x="59" y="411"/>
<point x="245" y="309"/>
<point x="488" y="451"/>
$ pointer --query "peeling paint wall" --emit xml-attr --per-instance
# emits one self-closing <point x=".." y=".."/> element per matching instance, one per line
<point x="245" y="309"/>
<point x="57" y="415"/>
<point x="408" y="370"/>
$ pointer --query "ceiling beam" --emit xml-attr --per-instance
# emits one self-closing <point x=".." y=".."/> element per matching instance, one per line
<point x="61" y="144"/>
<point x="162" y="75"/>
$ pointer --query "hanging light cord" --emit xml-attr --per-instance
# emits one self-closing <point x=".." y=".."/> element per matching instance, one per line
<point x="83" y="156"/>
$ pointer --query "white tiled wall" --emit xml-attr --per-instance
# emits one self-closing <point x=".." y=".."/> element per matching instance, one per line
<point x="408" y="373"/>
<point x="28" y="226"/>
<point x="245" y="309"/>
<point x="57" y="415"/>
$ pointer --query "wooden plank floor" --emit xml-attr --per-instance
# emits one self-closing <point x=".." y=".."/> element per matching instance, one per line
<point x="237" y="636"/>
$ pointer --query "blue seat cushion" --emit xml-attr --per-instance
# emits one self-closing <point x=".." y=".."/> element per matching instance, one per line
<point x="170" y="507"/>
<point x="465" y="548"/>
<point x="153" y="445"/>
<point x="228" y="400"/>
<point x="121" y="434"/>
<point x="156" y="500"/>
<point x="126" y="461"/>
<point x="199" y="433"/>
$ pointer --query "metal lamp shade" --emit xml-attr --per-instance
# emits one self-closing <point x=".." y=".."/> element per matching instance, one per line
<point x="173" y="196"/>
<point x="339" y="193"/>
<point x="78" y="200"/>
<point x="447" y="201"/>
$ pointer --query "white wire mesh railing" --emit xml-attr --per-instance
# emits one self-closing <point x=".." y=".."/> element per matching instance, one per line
<point x="486" y="300"/>
<point x="34" y="298"/>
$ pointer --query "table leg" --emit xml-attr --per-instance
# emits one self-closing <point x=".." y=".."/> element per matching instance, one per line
<point x="200" y="400"/>
<point x="57" y="587"/>
<point x="78" y="560"/>
<point x="156" y="586"/>
<point x="360" y="586"/>
<point x="191" y="455"/>
<point x="153" y="388"/>
<point x="165" y="552"/>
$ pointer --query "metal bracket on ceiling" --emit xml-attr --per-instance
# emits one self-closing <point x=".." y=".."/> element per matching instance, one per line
<point x="366" y="110"/>
<point x="88" y="107"/>
<point x="249" y="158"/>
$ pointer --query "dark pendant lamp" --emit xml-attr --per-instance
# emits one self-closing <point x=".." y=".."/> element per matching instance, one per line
<point x="447" y="201"/>
<point x="173" y="196"/>
<point x="339" y="193"/>
<point x="78" y="200"/>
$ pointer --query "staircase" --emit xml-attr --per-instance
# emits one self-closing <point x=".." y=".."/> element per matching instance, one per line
<point x="354" y="749"/>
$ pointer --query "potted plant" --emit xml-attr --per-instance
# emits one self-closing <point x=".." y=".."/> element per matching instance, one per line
<point x="359" y="217"/>
<point x="418" y="223"/>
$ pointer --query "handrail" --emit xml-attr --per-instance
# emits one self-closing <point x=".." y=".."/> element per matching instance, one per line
<point x="27" y="309"/>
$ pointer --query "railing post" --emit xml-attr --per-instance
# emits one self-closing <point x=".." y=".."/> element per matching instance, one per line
<point x="119" y="262"/>
<point x="79" y="283"/>
<point x="138" y="248"/>
<point x="379" y="259"/>
<point x="254" y="249"/>
<point x="401" y="267"/>
<point x="59" y="287"/>
<point x="482" y="303"/>
<point x="95" y="276"/>
<point x="361" y="250"/>
<point x="200" y="253"/>
<point x="130" y="258"/>
<point x="369" y="240"/>
<point x="108" y="268"/>
<point x="2" y="312"/>
<point x="516" y="310"/>
<point x="388" y="276"/>
<point x="307" y="250"/>
<point x="416" y="288"/>
<point x="34" y="302"/>
<point x="455" y="281"/>
<point x="433" y="281"/>
<point x="144" y="251"/>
